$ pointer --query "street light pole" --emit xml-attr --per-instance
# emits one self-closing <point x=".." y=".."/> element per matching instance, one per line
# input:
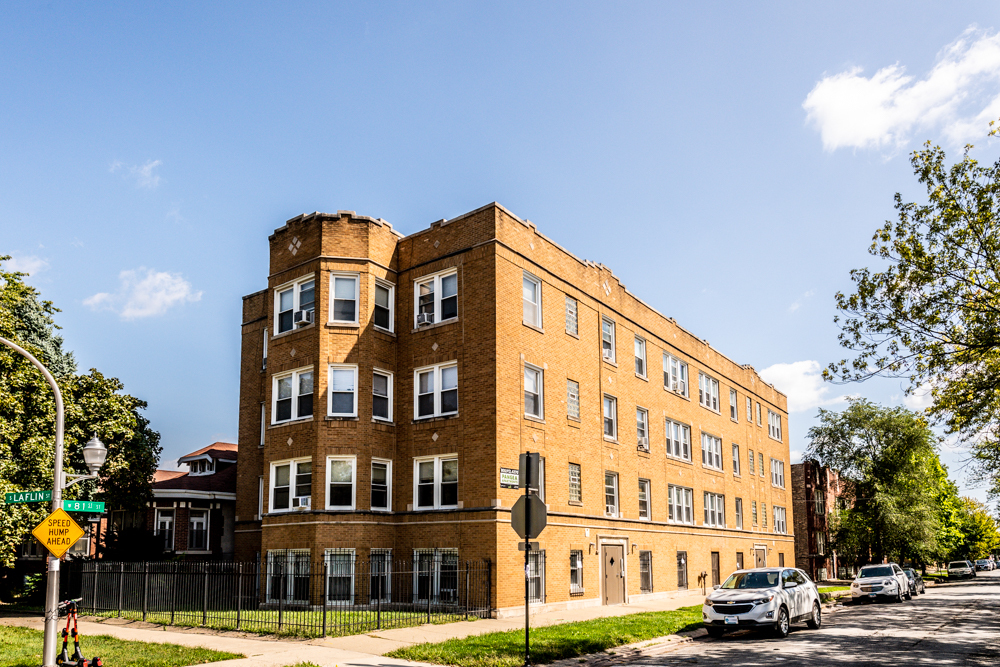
<point x="52" y="586"/>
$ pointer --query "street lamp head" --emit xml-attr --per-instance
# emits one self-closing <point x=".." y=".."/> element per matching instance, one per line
<point x="94" y="454"/>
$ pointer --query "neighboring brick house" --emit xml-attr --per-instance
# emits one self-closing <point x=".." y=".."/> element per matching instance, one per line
<point x="385" y="380"/>
<point x="817" y="491"/>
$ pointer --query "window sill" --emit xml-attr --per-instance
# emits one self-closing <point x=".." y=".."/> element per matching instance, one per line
<point x="442" y="323"/>
<point x="435" y="418"/>
<point x="338" y="508"/>
<point x="383" y="422"/>
<point x="300" y="420"/>
<point x="677" y="459"/>
<point x="775" y="439"/>
<point x="387" y="332"/>
<point x="642" y="377"/>
<point x="717" y="471"/>
<point x="341" y="418"/>
<point x="574" y="335"/>
<point x="537" y="420"/>
<point x="291" y="331"/>
<point x="573" y="419"/>
<point x="575" y="503"/>
<point x="533" y="327"/>
<point x="613" y="441"/>
<point x="578" y="593"/>
<point x="710" y="409"/>
<point x="735" y="421"/>
<point x="334" y="324"/>
<point x="610" y="362"/>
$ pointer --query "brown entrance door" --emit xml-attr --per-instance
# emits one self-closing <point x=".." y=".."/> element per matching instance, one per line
<point x="614" y="574"/>
<point x="682" y="570"/>
<point x="716" y="578"/>
<point x="760" y="558"/>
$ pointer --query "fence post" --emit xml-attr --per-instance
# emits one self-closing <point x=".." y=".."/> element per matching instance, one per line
<point x="239" y="593"/>
<point x="145" y="590"/>
<point x="121" y="588"/>
<point x="93" y="600"/>
<point x="378" y="602"/>
<point x="204" y="602"/>
<point x="489" y="588"/>
<point x="173" y="593"/>
<point x="430" y="585"/>
<point x="281" y="599"/>
<point x="466" y="590"/>
<point x="323" y="593"/>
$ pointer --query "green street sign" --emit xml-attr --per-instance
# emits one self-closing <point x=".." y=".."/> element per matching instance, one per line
<point x="27" y="497"/>
<point x="83" y="506"/>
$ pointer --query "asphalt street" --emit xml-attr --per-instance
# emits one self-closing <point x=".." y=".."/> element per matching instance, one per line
<point x="956" y="623"/>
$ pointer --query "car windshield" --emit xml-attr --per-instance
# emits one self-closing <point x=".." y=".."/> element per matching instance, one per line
<point x="910" y="574"/>
<point x="957" y="564"/>
<point x="869" y="572"/>
<point x="980" y="562"/>
<point x="752" y="580"/>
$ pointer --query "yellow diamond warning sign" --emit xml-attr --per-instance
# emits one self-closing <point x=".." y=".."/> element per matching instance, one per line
<point x="58" y="532"/>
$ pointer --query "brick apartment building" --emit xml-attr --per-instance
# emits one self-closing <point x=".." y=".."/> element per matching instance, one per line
<point x="386" y="380"/>
<point x="816" y="492"/>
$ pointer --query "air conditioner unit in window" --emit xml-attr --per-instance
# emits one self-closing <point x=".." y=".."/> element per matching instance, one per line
<point x="644" y="443"/>
<point x="303" y="317"/>
<point x="302" y="502"/>
<point x="425" y="318"/>
<point x="682" y="387"/>
<point x="608" y="354"/>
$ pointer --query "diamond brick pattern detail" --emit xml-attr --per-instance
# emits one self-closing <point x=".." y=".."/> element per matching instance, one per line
<point x="294" y="246"/>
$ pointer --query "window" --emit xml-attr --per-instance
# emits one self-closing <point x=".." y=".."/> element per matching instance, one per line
<point x="607" y="339"/>
<point x="292" y="395"/>
<point x="435" y="482"/>
<point x="750" y="459"/>
<point x="263" y="363"/>
<point x="778" y="473"/>
<point x="165" y="528"/>
<point x="760" y="460"/>
<point x="675" y="375"/>
<point x="572" y="325"/>
<point x="642" y="428"/>
<point x="343" y="391"/>
<point x="708" y="392"/>
<point x="715" y="510"/>
<point x="640" y="357"/>
<point x="739" y="513"/>
<point x="678" y="440"/>
<point x="531" y="290"/>
<point x="381" y="484"/>
<point x="344" y="304"/>
<point x="711" y="451"/>
<point x="380" y="575"/>
<point x="536" y="576"/>
<point x="288" y="576"/>
<point x="610" y="494"/>
<point x="263" y="424"/>
<point x="382" y="313"/>
<point x="820" y="543"/>
<point x="753" y="511"/>
<point x="576" y="572"/>
<point x="437" y="390"/>
<point x="610" y="417"/>
<point x="644" y="499"/>
<point x="340" y="576"/>
<point x="774" y="425"/>
<point x="758" y="414"/>
<point x="260" y="498"/>
<point x="541" y="478"/>
<point x="646" y="571"/>
<point x="437" y="298"/>
<point x="575" y="484"/>
<point x="435" y="575"/>
<point x="734" y="410"/>
<point x="819" y="502"/>
<point x="749" y="409"/>
<point x="779" y="520"/>
<point x="291" y="485"/>
<point x="340" y="476"/>
<point x="572" y="399"/>
<point x="533" y="383"/>
<point x="736" y="459"/>
<point x="739" y="560"/>
<point x="382" y="395"/>
<point x="763" y="514"/>
<point x="680" y="504"/>
<point x="292" y="299"/>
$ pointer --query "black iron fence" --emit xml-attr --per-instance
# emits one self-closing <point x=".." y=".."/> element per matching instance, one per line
<point x="288" y="593"/>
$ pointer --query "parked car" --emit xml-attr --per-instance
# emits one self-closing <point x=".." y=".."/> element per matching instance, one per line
<point x="764" y="598"/>
<point x="916" y="581"/>
<point x="983" y="565"/>
<point x="881" y="581"/>
<point x="961" y="569"/>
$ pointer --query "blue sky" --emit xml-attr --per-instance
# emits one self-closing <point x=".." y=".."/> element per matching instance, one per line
<point x="729" y="163"/>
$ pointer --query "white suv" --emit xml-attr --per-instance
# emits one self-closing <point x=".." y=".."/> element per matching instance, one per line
<point x="764" y="597"/>
<point x="886" y="581"/>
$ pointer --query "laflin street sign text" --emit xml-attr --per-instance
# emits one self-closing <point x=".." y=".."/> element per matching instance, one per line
<point x="27" y="497"/>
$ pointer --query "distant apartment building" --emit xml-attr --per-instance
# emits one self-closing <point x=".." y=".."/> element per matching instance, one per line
<point x="817" y="492"/>
<point x="386" y="380"/>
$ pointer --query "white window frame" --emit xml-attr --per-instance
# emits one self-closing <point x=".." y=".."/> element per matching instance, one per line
<point x="640" y="357"/>
<point x="263" y="362"/>
<point x="774" y="425"/>
<point x="292" y="558"/>
<point x="576" y="563"/>
<point x="437" y="560"/>
<point x="675" y="375"/>
<point x="759" y="423"/>
<point x="294" y="374"/>
<point x="708" y="392"/>
<point x="161" y="512"/>
<point x="263" y="420"/>
<point x="736" y="460"/>
<point x="749" y="409"/>
<point x="193" y="521"/>
<point x="330" y="392"/>
<point x="780" y="527"/>
<point x="711" y="451"/>
<point x="615" y="509"/>
<point x="380" y="567"/>
<point x="674" y="427"/>
<point x="293" y="467"/>
<point x="739" y="513"/>
<point x="680" y="504"/>
<point x="388" y="484"/>
<point x="649" y="500"/>
<point x="715" y="510"/>
<point x="539" y="385"/>
<point x="734" y="405"/>
<point x="578" y="482"/>
<point x="537" y="305"/>
<point x="390" y="377"/>
<point x="353" y="460"/>
<point x="608" y="355"/>
<point x="296" y="287"/>
<point x="436" y="278"/>
<point x="750" y="458"/>
<point x="642" y="428"/>
<point x="777" y="473"/>
<point x="260" y="498"/>
<point x="438" y="460"/>
<point x="614" y="417"/>
<point x="437" y="369"/>
<point x="572" y="399"/>
<point x="327" y="558"/>
<point x="392" y="305"/>
<point x="573" y="311"/>
<point x="333" y="295"/>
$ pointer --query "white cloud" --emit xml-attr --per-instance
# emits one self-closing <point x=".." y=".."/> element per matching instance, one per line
<point x="802" y="382"/>
<point x="29" y="264"/>
<point x="142" y="174"/>
<point x="798" y="302"/>
<point x="920" y="399"/>
<point x="958" y="96"/>
<point x="144" y="293"/>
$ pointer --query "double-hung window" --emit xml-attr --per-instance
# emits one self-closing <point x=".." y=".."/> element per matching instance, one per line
<point x="734" y="410"/>
<point x="750" y="459"/>
<point x="711" y="451"/>
<point x="573" y="399"/>
<point x="610" y="417"/>
<point x="645" y="571"/>
<point x="644" y="499"/>
<point x="575" y="483"/>
<point x="340" y="576"/>
<point x="611" y="494"/>
<point x="533" y="387"/>
<point x="736" y="459"/>
<point x="607" y="339"/>
<point x="292" y="395"/>
<point x="774" y="425"/>
<point x="382" y="395"/>
<point x="640" y="357"/>
<point x="642" y="428"/>
<point x="343" y="400"/>
<point x="779" y="520"/>
<point x="572" y="314"/>
<point x="437" y="390"/>
<point x="778" y="473"/>
<point x="381" y="485"/>
<point x="739" y="513"/>
<point x="198" y="530"/>
<point x="678" y="440"/>
<point x="708" y="392"/>
<point x="753" y="511"/>
<point x="749" y="409"/>
<point x="288" y="575"/>
<point x="344" y="298"/>
<point x="383" y="313"/>
<point x="575" y="572"/>
<point x="758" y="414"/>
<point x="436" y="298"/>
<point x="291" y="301"/>
<point x="531" y="296"/>
<point x="680" y="502"/>
<point x="675" y="374"/>
<point x="435" y="482"/>
<point x="341" y="481"/>
<point x="715" y="509"/>
<point x="760" y="460"/>
<point x="291" y="485"/>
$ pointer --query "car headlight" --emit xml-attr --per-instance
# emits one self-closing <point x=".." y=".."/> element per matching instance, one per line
<point x="855" y="585"/>
<point x="709" y="602"/>
<point x="764" y="600"/>
<point x="888" y="582"/>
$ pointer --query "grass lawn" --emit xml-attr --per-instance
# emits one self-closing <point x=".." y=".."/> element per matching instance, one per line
<point x="22" y="647"/>
<point x="553" y="642"/>
<point x="833" y="589"/>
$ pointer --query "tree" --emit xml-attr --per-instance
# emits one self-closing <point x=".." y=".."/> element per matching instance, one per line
<point x="94" y="405"/>
<point x="979" y="532"/>
<point x="888" y="456"/>
<point x="932" y="316"/>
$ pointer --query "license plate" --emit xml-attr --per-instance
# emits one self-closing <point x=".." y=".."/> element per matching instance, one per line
<point x="871" y="595"/>
<point x="732" y="620"/>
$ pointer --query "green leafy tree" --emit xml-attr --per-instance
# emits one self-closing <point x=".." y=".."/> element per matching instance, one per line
<point x="932" y="314"/>
<point x="94" y="405"/>
<point x="979" y="532"/>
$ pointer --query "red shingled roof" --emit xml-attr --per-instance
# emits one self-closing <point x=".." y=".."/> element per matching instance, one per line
<point x="223" y="481"/>
<point x="217" y="450"/>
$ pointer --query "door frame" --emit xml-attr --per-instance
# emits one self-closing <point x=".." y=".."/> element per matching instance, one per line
<point x="613" y="541"/>
<point x="756" y="548"/>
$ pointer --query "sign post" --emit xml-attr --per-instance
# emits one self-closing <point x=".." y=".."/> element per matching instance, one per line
<point x="528" y="518"/>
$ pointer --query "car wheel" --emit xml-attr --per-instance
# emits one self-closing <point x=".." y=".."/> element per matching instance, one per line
<point x="782" y="625"/>
<point x="817" y="617"/>
<point x="715" y="632"/>
<point x="899" y="595"/>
